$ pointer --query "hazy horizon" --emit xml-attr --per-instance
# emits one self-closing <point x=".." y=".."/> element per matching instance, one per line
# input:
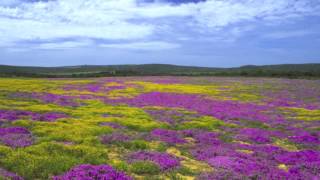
<point x="207" y="33"/>
<point x="78" y="65"/>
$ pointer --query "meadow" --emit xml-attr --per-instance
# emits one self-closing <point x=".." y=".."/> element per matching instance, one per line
<point x="122" y="128"/>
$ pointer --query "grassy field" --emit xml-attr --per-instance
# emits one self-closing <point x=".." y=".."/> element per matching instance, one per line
<point x="159" y="128"/>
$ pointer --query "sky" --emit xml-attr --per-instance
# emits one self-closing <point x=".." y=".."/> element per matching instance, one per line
<point x="215" y="33"/>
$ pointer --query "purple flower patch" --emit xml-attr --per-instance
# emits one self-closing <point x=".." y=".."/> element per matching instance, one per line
<point x="305" y="138"/>
<point x="15" y="137"/>
<point x="169" y="136"/>
<point x="222" y="162"/>
<point x="163" y="160"/>
<point x="95" y="87"/>
<point x="247" y="166"/>
<point x="171" y="117"/>
<point x="13" y="115"/>
<point x="306" y="170"/>
<point x="203" y="153"/>
<point x="221" y="174"/>
<point x="62" y="100"/>
<point x="9" y="175"/>
<point x="224" y="110"/>
<point x="93" y="172"/>
<point x="256" y="135"/>
<point x="207" y="138"/>
<point x="50" y="116"/>
<point x="115" y="137"/>
<point x="303" y="156"/>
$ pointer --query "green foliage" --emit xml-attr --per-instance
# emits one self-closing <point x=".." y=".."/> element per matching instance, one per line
<point x="121" y="166"/>
<point x="204" y="122"/>
<point x="144" y="167"/>
<point x="162" y="147"/>
<point x="46" y="159"/>
<point x="174" y="176"/>
<point x="302" y="114"/>
<point x="136" y="145"/>
<point x="255" y="124"/>
<point x="286" y="70"/>
<point x="186" y="171"/>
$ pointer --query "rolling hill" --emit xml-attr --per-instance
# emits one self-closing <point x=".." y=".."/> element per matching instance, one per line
<point x="284" y="70"/>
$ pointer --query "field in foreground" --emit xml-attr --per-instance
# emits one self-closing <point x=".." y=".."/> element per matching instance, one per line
<point x="159" y="128"/>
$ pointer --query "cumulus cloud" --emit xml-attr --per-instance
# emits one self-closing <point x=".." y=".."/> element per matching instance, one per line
<point x="133" y="20"/>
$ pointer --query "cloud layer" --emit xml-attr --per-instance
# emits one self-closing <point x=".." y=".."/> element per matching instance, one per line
<point x="134" y="24"/>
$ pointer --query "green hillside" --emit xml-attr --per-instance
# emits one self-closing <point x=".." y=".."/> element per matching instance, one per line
<point x="285" y="70"/>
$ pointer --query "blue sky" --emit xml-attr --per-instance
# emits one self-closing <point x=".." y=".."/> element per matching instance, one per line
<point x="218" y="33"/>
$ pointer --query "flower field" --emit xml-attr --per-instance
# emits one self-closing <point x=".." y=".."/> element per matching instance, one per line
<point x="159" y="128"/>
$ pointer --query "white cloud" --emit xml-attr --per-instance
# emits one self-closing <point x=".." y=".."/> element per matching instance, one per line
<point x="152" y="45"/>
<point x="63" y="45"/>
<point x="218" y="14"/>
<point x="128" y="20"/>
<point x="288" y="34"/>
<point x="26" y="29"/>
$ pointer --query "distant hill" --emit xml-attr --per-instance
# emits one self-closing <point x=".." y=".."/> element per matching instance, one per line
<point x="284" y="70"/>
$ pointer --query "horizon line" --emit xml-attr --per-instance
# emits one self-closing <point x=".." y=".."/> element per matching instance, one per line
<point x="82" y="65"/>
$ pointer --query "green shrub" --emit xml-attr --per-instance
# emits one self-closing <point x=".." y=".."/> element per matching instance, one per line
<point x="144" y="167"/>
<point x="121" y="166"/>
<point x="162" y="147"/>
<point x="136" y="145"/>
<point x="186" y="171"/>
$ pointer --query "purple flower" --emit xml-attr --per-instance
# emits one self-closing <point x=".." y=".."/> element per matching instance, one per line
<point x="93" y="172"/>
<point x="113" y="125"/>
<point x="205" y="152"/>
<point x="244" y="165"/>
<point x="222" y="161"/>
<point x="306" y="170"/>
<point x="257" y="135"/>
<point x="9" y="175"/>
<point x="115" y="137"/>
<point x="62" y="100"/>
<point x="207" y="138"/>
<point x="15" y="137"/>
<point x="50" y="116"/>
<point x="294" y="158"/>
<point x="163" y="160"/>
<point x="221" y="175"/>
<point x="13" y="115"/>
<point x="95" y="87"/>
<point x="305" y="138"/>
<point x="224" y="110"/>
<point x="169" y="136"/>
<point x="171" y="117"/>
<point x="189" y="132"/>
